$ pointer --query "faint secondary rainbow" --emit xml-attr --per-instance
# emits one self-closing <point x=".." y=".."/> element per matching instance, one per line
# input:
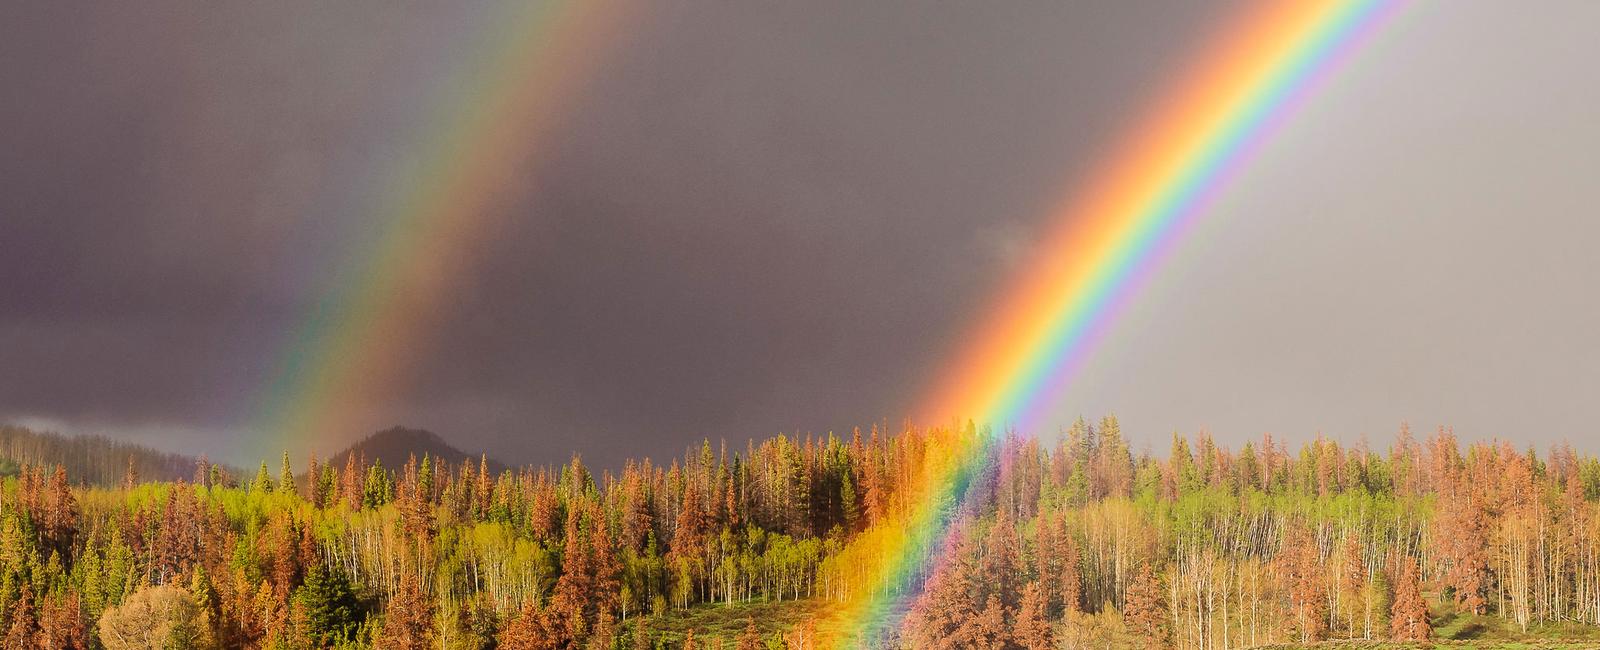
<point x="1111" y="232"/>
<point x="358" y="345"/>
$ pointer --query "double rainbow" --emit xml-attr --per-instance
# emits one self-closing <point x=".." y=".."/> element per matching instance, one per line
<point x="1111" y="233"/>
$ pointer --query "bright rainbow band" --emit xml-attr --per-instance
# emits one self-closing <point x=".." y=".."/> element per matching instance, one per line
<point x="1111" y="233"/>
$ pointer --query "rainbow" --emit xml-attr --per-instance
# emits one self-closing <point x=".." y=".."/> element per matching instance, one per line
<point x="1111" y="233"/>
<point x="358" y="345"/>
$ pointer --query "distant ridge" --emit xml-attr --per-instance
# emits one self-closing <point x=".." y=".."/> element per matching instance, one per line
<point x="395" y="445"/>
<point x="93" y="460"/>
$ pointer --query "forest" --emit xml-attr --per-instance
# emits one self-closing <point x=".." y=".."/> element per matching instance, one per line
<point x="1067" y="541"/>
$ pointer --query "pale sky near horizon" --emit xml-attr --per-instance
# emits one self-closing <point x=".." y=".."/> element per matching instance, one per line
<point x="774" y="219"/>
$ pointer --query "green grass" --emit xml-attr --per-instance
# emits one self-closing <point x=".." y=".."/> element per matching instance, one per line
<point x="1450" y="623"/>
<point x="727" y="622"/>
<point x="1476" y="645"/>
<point x="1453" y="628"/>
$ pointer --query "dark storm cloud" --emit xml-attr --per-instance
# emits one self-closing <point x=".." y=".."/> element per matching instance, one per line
<point x="764" y="221"/>
<point x="757" y="219"/>
<point x="160" y="162"/>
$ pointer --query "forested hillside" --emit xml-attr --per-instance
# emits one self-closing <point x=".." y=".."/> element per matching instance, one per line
<point x="95" y="460"/>
<point x="1073" y="542"/>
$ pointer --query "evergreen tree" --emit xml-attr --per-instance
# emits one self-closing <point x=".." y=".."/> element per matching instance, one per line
<point x="331" y="610"/>
<point x="530" y="629"/>
<point x="263" y="482"/>
<point x="377" y="489"/>
<point x="750" y="639"/>
<point x="351" y="482"/>
<point x="1301" y="570"/>
<point x="604" y="636"/>
<point x="1032" y="628"/>
<point x="408" y="618"/>
<point x="943" y="616"/>
<point x="207" y="613"/>
<point x="61" y="515"/>
<point x="61" y="624"/>
<point x="848" y="501"/>
<point x="327" y="487"/>
<point x="1408" y="617"/>
<point x="285" y="476"/>
<point x="1002" y="562"/>
<point x="1146" y="609"/>
<point x="1113" y="461"/>
<point x="641" y="634"/>
<point x="425" y="478"/>
<point x="23" y="632"/>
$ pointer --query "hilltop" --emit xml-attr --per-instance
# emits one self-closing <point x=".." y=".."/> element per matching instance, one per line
<point x="395" y="445"/>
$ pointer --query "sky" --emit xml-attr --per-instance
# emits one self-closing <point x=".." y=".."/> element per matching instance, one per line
<point x="759" y="219"/>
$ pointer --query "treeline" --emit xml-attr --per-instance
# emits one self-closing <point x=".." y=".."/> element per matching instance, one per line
<point x="1074" y="543"/>
<point x="95" y="460"/>
<point x="1086" y="545"/>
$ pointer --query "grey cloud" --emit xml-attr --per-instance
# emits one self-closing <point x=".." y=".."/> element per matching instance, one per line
<point x="764" y="219"/>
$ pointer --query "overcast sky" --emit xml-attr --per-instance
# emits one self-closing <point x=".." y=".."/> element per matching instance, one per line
<point x="760" y="219"/>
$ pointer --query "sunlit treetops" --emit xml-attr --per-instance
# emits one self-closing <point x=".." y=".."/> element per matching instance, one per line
<point x="1072" y="535"/>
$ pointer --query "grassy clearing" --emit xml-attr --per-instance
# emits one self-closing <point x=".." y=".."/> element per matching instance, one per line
<point x="1452" y="628"/>
<point x="727" y="622"/>
<point x="1452" y="624"/>
<point x="1477" y="645"/>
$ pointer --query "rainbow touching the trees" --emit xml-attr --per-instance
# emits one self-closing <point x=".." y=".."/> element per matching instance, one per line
<point x="495" y="114"/>
<point x="1110" y="234"/>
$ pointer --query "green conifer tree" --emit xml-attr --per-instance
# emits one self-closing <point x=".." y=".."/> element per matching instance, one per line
<point x="332" y="611"/>
<point x="378" y="490"/>
<point x="285" y="476"/>
<point x="263" y="482"/>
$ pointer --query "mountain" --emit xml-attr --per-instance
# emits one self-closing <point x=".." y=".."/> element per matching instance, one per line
<point x="101" y="461"/>
<point x="394" y="446"/>
<point x="93" y="460"/>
